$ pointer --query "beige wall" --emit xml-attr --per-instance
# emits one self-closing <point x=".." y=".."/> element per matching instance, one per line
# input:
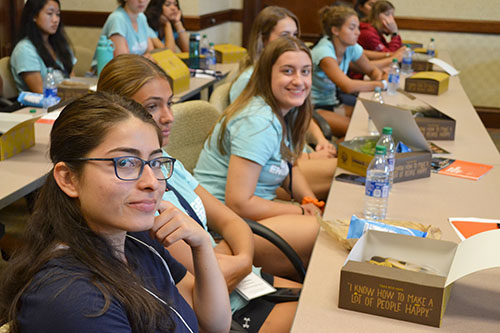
<point x="477" y="56"/>
<point x="229" y="32"/>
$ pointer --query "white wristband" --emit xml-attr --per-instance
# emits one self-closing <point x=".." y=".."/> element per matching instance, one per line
<point x="384" y="82"/>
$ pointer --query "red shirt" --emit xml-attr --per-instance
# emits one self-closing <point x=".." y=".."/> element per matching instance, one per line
<point x="371" y="39"/>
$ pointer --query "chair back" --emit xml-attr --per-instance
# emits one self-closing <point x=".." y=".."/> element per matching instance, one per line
<point x="220" y="96"/>
<point x="9" y="85"/>
<point x="84" y="60"/>
<point x="193" y="120"/>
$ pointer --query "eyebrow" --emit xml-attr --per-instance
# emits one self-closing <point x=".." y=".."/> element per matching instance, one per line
<point x="134" y="151"/>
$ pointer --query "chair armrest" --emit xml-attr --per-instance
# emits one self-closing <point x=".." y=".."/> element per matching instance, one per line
<point x="280" y="243"/>
<point x="323" y="125"/>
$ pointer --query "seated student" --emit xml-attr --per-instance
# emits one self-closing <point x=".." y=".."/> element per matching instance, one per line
<point x="94" y="259"/>
<point x="273" y="22"/>
<point x="331" y="59"/>
<point x="42" y="43"/>
<point x="253" y="148"/>
<point x="363" y="7"/>
<point x="128" y="29"/>
<point x="138" y="78"/>
<point x="165" y="18"/>
<point x="380" y="22"/>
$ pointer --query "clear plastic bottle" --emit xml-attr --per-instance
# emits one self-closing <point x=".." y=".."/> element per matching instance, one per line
<point x="49" y="89"/>
<point x="387" y="141"/>
<point x="431" y="48"/>
<point x="407" y="61"/>
<point x="377" y="97"/>
<point x="377" y="186"/>
<point x="393" y="80"/>
<point x="211" y="57"/>
<point x="204" y="45"/>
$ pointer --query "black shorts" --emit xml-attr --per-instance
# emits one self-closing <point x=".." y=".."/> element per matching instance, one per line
<point x="255" y="313"/>
<point x="329" y="107"/>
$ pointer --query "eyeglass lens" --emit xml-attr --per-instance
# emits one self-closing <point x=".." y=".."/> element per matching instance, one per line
<point x="131" y="168"/>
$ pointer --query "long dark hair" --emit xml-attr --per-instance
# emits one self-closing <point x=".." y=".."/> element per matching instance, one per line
<point x="260" y="84"/>
<point x="59" y="41"/>
<point x="153" y="14"/>
<point x="57" y="219"/>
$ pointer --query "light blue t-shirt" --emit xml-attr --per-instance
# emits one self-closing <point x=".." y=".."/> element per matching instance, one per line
<point x="118" y="22"/>
<point x="185" y="184"/>
<point x="240" y="84"/>
<point x="25" y="58"/>
<point x="254" y="133"/>
<point x="323" y="90"/>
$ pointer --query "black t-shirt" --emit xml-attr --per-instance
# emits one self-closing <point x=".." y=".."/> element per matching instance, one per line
<point x="65" y="297"/>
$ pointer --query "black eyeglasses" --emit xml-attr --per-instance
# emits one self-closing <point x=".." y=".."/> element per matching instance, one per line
<point x="131" y="167"/>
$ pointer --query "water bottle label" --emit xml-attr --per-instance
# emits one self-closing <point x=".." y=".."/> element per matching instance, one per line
<point x="377" y="189"/>
<point x="49" y="92"/>
<point x="407" y="61"/>
<point x="393" y="78"/>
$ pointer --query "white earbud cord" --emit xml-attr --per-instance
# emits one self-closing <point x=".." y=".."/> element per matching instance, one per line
<point x="152" y="249"/>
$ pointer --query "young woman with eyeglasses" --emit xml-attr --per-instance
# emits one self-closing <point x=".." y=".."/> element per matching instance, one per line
<point x="94" y="258"/>
<point x="165" y="18"/>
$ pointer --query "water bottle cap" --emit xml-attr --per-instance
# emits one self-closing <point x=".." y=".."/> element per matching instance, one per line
<point x="380" y="150"/>
<point x="387" y="130"/>
<point x="378" y="89"/>
<point x="204" y="36"/>
<point x="395" y="60"/>
<point x="211" y="44"/>
<point x="32" y="111"/>
<point x="432" y="39"/>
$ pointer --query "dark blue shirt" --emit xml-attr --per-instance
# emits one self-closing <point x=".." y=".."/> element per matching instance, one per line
<point x="64" y="296"/>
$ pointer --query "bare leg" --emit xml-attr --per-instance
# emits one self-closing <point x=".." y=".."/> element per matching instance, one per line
<point x="319" y="175"/>
<point x="338" y="123"/>
<point x="280" y="319"/>
<point x="300" y="233"/>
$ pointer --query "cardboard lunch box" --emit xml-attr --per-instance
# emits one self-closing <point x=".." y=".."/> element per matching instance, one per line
<point x="175" y="68"/>
<point x="17" y="133"/>
<point x="72" y="88"/>
<point x="420" y="63"/>
<point x="408" y="166"/>
<point x="432" y="83"/>
<point x="433" y="123"/>
<point x="411" y="295"/>
<point x="228" y="53"/>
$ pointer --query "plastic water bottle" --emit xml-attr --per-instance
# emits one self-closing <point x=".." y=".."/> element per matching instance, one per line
<point x="407" y="61"/>
<point x="377" y="97"/>
<point x="211" y="57"/>
<point x="377" y="186"/>
<point x="393" y="83"/>
<point x="387" y="141"/>
<point x="194" y="50"/>
<point x="104" y="52"/>
<point x="204" y="46"/>
<point x="431" y="48"/>
<point x="49" y="89"/>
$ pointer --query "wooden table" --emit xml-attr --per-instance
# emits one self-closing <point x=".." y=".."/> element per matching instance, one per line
<point x="475" y="300"/>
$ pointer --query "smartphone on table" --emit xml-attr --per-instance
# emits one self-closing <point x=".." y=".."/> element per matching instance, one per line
<point x="348" y="178"/>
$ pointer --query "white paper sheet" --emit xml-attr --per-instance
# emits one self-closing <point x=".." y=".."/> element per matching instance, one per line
<point x="452" y="71"/>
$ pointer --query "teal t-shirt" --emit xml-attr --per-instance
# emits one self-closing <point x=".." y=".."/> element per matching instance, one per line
<point x="25" y="58"/>
<point x="185" y="184"/>
<point x="240" y="84"/>
<point x="323" y="90"/>
<point x="254" y="133"/>
<point x="118" y="22"/>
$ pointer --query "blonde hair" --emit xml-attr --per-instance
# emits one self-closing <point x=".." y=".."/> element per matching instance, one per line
<point x="334" y="16"/>
<point x="126" y="74"/>
<point x="262" y="27"/>
<point x="260" y="84"/>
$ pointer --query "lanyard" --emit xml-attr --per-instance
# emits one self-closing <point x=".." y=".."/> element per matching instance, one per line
<point x="187" y="207"/>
